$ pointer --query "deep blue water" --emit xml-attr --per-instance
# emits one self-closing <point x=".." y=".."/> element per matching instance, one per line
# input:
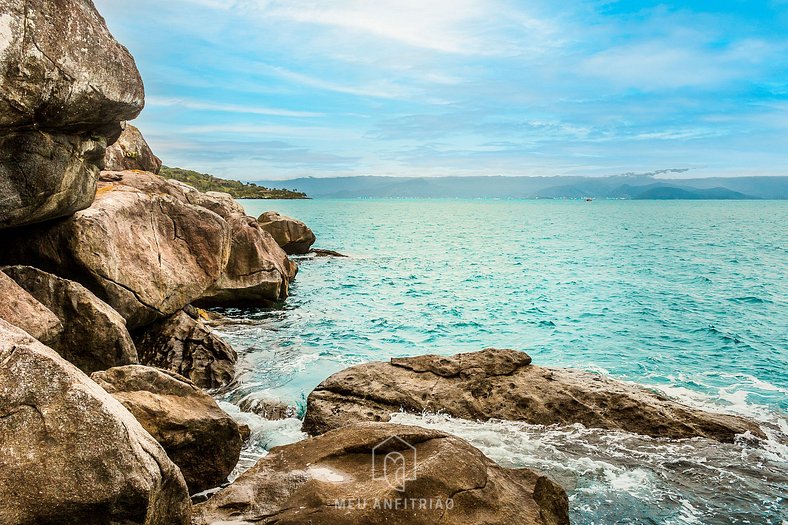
<point x="687" y="296"/>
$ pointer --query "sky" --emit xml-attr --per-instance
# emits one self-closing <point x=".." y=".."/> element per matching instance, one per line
<point x="278" y="89"/>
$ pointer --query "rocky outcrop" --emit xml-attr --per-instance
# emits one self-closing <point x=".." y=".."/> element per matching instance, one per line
<point x="94" y="336"/>
<point x="349" y="476"/>
<point x="131" y="152"/>
<point x="145" y="252"/>
<point x="22" y="310"/>
<point x="292" y="235"/>
<point x="71" y="454"/>
<point x="65" y="85"/>
<point x="198" y="436"/>
<point x="186" y="346"/>
<point x="502" y="384"/>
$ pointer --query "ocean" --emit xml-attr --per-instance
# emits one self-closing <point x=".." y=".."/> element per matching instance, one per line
<point x="689" y="297"/>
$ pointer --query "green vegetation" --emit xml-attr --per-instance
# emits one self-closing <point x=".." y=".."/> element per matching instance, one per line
<point x="236" y="188"/>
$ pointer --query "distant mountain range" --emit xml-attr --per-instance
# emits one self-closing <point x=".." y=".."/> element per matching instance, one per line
<point x="613" y="187"/>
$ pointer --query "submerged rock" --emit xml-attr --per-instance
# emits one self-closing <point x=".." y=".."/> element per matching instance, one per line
<point x="71" y="453"/>
<point x="94" y="336"/>
<point x="349" y="476"/>
<point x="292" y="235"/>
<point x="502" y="384"/>
<point x="24" y="311"/>
<point x="131" y="152"/>
<point x="186" y="346"/>
<point x="198" y="436"/>
<point x="65" y="85"/>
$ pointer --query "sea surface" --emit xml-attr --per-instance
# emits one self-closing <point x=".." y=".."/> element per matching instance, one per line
<point x="689" y="297"/>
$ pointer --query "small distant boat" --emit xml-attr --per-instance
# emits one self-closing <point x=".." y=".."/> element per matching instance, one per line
<point x="589" y="199"/>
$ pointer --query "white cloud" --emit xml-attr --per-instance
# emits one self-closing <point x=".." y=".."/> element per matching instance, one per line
<point x="228" y="108"/>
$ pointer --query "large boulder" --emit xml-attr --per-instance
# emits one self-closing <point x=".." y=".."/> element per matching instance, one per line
<point x="94" y="335"/>
<point x="503" y="384"/>
<point x="71" y="453"/>
<point x="292" y="235"/>
<point x="375" y="473"/>
<point x="22" y="310"/>
<point x="145" y="252"/>
<point x="65" y="85"/>
<point x="186" y="346"/>
<point x="131" y="152"/>
<point x="198" y="436"/>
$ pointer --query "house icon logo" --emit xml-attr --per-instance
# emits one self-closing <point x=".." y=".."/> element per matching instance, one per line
<point x="394" y="461"/>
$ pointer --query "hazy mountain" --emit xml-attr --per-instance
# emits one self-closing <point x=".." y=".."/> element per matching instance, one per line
<point x="630" y="186"/>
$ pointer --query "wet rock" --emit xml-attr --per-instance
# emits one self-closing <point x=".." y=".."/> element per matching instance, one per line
<point x="325" y="253"/>
<point x="143" y="251"/>
<point x="94" y="336"/>
<point x="346" y="477"/>
<point x="292" y="235"/>
<point x="271" y="409"/>
<point x="65" y="85"/>
<point x="131" y="152"/>
<point x="198" y="436"/>
<point x="502" y="384"/>
<point x="72" y="454"/>
<point x="22" y="310"/>
<point x="186" y="346"/>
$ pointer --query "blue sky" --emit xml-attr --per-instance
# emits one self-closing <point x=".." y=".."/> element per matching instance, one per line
<point x="259" y="89"/>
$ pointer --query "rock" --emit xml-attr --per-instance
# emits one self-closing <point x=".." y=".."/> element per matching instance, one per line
<point x="65" y="85"/>
<point x="198" y="436"/>
<point x="146" y="252"/>
<point x="22" y="310"/>
<point x="131" y="152"/>
<point x="335" y="479"/>
<point x="270" y="409"/>
<point x="94" y="335"/>
<point x="71" y="453"/>
<point x="502" y="384"/>
<point x="292" y="235"/>
<point x="326" y="253"/>
<point x="186" y="346"/>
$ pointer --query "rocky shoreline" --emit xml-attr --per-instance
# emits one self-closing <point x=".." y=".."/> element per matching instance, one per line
<point x="106" y="356"/>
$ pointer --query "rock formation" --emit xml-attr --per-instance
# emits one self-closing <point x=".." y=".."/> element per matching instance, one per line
<point x="502" y="384"/>
<point x="22" y="310"/>
<point x="292" y="235"/>
<point x="198" y="436"/>
<point x="339" y="479"/>
<point x="71" y="454"/>
<point x="65" y="85"/>
<point x="131" y="152"/>
<point x="94" y="335"/>
<point x="186" y="346"/>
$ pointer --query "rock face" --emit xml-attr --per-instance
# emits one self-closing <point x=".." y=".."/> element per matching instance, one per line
<point x="343" y="478"/>
<point x="292" y="235"/>
<point x="22" y="310"/>
<point x="94" y="335"/>
<point x="71" y="453"/>
<point x="131" y="152"/>
<point x="145" y="252"/>
<point x="198" y="436"/>
<point x="65" y="85"/>
<point x="502" y="384"/>
<point x="187" y="347"/>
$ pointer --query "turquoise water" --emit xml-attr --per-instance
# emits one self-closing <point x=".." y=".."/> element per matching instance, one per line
<point x="690" y="297"/>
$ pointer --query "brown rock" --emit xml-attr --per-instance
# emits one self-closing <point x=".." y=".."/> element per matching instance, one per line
<point x="292" y="235"/>
<point x="270" y="409"/>
<point x="131" y="152"/>
<point x="22" y="310"/>
<point x="72" y="454"/>
<point x="94" y="335"/>
<point x="198" y="436"/>
<point x="308" y="482"/>
<point x="65" y="84"/>
<point x="145" y="252"/>
<point x="187" y="347"/>
<point x="502" y="384"/>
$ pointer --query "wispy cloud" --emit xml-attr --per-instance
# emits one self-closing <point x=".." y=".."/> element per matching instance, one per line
<point x="228" y="108"/>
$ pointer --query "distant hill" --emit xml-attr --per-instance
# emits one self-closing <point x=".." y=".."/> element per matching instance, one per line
<point x="570" y="187"/>
<point x="238" y="189"/>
